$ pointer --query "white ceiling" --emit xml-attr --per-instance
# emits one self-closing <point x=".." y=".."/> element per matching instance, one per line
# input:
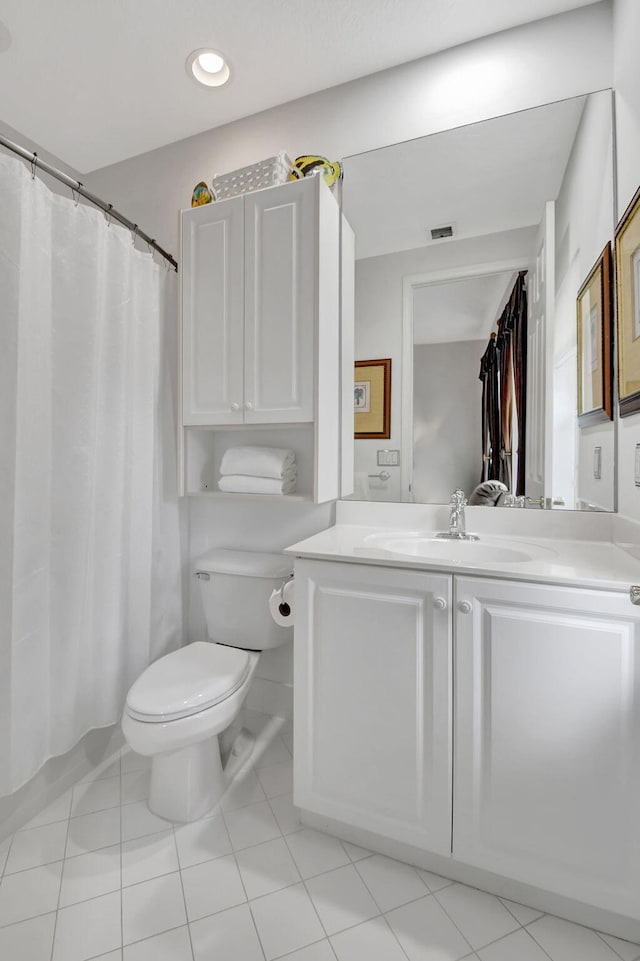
<point x="461" y="309"/>
<point x="483" y="179"/>
<point x="96" y="82"/>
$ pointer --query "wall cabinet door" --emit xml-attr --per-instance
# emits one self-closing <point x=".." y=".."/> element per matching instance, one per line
<point x="251" y="302"/>
<point x="281" y="254"/>
<point x="212" y="284"/>
<point x="372" y="692"/>
<point x="547" y="722"/>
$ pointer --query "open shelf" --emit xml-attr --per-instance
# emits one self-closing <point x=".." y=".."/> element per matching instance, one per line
<point x="204" y="448"/>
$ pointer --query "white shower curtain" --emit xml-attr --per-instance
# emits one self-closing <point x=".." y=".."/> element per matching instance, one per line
<point x="89" y="531"/>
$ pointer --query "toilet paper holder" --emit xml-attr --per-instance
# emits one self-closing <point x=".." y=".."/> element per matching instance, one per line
<point x="283" y="607"/>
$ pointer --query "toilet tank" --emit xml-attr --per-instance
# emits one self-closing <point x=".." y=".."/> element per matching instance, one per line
<point x="236" y="597"/>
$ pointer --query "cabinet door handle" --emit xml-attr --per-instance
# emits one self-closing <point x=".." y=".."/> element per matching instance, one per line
<point x="235" y="407"/>
<point x="248" y="405"/>
<point x="464" y="607"/>
<point x="440" y="603"/>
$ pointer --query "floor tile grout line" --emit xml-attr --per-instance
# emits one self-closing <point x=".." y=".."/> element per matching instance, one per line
<point x="275" y="816"/>
<point x="513" y="915"/>
<point x="32" y="917"/>
<point x="428" y="893"/>
<point x="64" y="857"/>
<point x="148" y="937"/>
<point x="184" y="896"/>
<point x="577" y="923"/>
<point x="611" y="948"/>
<point x="473" y="950"/>
<point x="247" y="902"/>
<point x="397" y="939"/>
<point x="289" y="954"/>
<point x="313" y="904"/>
<point x="535" y="941"/>
<point x="385" y="911"/>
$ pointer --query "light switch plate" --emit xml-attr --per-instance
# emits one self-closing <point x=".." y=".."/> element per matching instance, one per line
<point x="597" y="463"/>
<point x="388" y="458"/>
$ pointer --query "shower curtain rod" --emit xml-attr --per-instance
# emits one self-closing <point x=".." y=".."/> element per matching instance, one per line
<point x="77" y="188"/>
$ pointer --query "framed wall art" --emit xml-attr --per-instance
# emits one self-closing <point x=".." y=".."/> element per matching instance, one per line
<point x="627" y="257"/>
<point x="372" y="398"/>
<point x="595" y="397"/>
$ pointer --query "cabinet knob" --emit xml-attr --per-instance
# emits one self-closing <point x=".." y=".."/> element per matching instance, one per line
<point x="464" y="607"/>
<point x="440" y="603"/>
<point x="235" y="407"/>
<point x="248" y="405"/>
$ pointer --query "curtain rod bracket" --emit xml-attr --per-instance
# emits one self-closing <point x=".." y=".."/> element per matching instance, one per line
<point x="34" y="164"/>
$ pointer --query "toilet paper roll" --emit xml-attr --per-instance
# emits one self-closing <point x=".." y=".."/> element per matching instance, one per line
<point x="282" y="603"/>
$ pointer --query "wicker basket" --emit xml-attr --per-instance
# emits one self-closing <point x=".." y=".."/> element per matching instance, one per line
<point x="266" y="173"/>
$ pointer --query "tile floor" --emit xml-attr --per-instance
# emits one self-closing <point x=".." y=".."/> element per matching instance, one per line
<point x="97" y="876"/>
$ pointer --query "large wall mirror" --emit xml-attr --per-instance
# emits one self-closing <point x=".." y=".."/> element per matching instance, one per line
<point x="453" y="231"/>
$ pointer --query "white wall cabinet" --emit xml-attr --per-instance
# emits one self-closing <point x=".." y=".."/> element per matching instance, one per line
<point x="546" y="745"/>
<point x="372" y="690"/>
<point x="261" y="336"/>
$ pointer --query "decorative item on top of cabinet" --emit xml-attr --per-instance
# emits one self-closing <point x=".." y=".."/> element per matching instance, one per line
<point x="261" y="344"/>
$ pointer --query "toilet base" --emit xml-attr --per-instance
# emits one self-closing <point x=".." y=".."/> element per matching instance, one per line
<point x="190" y="781"/>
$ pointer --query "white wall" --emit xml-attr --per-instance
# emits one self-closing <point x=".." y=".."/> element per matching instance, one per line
<point x="447" y="419"/>
<point x="584" y="223"/>
<point x="626" y="30"/>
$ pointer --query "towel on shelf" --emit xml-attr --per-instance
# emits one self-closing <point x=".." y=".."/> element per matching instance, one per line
<point x="250" y="484"/>
<point x="257" y="461"/>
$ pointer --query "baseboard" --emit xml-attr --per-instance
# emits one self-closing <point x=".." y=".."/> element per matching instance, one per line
<point x="270" y="697"/>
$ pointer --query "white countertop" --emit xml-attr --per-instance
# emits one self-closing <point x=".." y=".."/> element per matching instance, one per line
<point x="593" y="564"/>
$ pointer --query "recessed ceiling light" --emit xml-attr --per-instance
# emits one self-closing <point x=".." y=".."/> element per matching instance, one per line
<point x="208" y="67"/>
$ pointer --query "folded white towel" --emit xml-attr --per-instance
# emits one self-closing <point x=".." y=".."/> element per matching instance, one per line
<point x="257" y="461"/>
<point x="248" y="484"/>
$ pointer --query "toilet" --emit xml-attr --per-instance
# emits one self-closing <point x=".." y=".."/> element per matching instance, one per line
<point x="184" y="711"/>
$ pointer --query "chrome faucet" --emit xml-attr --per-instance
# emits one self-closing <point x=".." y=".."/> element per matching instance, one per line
<point x="457" y="522"/>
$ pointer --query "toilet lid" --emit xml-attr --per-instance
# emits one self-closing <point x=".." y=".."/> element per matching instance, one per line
<point x="187" y="681"/>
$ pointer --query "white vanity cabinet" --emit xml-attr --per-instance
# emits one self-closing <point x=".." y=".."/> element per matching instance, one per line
<point x="547" y="738"/>
<point x="372" y="691"/>
<point x="261" y="336"/>
<point x="541" y="782"/>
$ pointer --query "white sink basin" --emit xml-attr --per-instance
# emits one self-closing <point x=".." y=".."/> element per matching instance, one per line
<point x="485" y="550"/>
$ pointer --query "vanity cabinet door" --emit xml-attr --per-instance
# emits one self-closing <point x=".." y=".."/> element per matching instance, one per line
<point x="372" y="693"/>
<point x="547" y="738"/>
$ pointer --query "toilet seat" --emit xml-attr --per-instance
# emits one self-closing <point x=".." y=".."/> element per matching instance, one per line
<point x="187" y="681"/>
